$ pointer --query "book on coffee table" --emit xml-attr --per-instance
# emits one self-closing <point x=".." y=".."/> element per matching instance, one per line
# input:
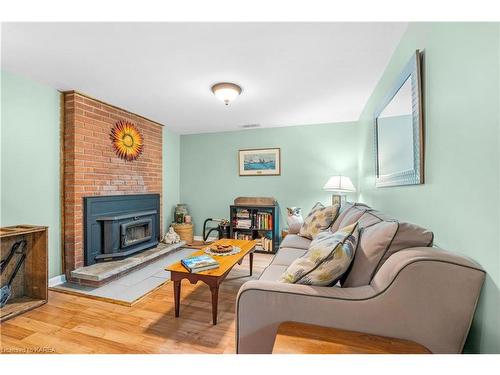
<point x="199" y="263"/>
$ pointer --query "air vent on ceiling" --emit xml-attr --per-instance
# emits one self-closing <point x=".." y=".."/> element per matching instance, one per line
<point x="250" y="126"/>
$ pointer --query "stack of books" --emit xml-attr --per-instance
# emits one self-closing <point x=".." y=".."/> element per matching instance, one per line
<point x="263" y="220"/>
<point x="199" y="263"/>
<point x="243" y="219"/>
<point x="265" y="244"/>
<point x="243" y="224"/>
<point x="242" y="236"/>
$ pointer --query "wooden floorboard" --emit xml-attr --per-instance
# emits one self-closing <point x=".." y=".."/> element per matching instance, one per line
<point x="74" y="324"/>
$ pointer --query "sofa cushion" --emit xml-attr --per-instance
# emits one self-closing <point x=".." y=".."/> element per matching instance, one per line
<point x="272" y="273"/>
<point x="295" y="241"/>
<point x="286" y="256"/>
<point x="349" y="214"/>
<point x="319" y="219"/>
<point x="380" y="237"/>
<point x="326" y="260"/>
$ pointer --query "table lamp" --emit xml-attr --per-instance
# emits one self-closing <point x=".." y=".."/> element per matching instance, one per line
<point x="339" y="185"/>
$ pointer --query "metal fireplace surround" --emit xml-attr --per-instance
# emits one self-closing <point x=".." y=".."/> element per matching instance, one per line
<point x="120" y="225"/>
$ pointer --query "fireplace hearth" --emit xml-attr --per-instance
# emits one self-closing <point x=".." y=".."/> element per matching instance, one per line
<point x="120" y="225"/>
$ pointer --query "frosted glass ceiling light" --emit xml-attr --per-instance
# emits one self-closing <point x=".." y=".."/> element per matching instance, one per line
<point x="226" y="91"/>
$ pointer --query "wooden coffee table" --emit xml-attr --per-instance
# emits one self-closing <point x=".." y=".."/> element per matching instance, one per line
<point x="213" y="278"/>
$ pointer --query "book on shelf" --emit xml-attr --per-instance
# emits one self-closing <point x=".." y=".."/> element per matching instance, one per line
<point x="243" y="223"/>
<point x="242" y="236"/>
<point x="243" y="214"/>
<point x="265" y="244"/>
<point x="199" y="263"/>
<point x="263" y="220"/>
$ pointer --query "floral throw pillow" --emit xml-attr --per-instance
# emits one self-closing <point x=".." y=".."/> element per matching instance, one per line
<point x="319" y="219"/>
<point x="327" y="259"/>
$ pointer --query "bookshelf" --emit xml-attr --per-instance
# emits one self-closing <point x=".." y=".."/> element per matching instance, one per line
<point x="259" y="223"/>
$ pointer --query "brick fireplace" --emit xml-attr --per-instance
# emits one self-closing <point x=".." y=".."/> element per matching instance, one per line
<point x="92" y="168"/>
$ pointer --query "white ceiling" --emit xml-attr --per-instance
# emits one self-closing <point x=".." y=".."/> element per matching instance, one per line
<point x="291" y="73"/>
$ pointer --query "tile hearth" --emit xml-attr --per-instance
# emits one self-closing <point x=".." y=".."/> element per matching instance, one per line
<point x="128" y="289"/>
<point x="99" y="274"/>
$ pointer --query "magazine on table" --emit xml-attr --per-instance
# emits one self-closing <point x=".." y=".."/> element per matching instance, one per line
<point x="199" y="263"/>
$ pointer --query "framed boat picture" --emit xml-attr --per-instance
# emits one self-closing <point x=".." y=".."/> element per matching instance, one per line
<point x="260" y="162"/>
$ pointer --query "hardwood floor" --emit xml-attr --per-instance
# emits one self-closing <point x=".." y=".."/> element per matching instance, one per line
<point x="73" y="324"/>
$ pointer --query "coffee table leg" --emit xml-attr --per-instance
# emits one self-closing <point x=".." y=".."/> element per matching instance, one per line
<point x="251" y="263"/>
<point x="215" y="298"/>
<point x="177" y="296"/>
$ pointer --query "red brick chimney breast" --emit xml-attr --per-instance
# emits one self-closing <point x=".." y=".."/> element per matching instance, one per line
<point x="91" y="166"/>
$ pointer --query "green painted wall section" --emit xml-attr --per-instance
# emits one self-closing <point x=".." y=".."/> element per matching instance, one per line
<point x="460" y="199"/>
<point x="309" y="155"/>
<point x="30" y="159"/>
<point x="171" y="174"/>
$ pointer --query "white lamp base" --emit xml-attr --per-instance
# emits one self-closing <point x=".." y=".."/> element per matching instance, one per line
<point x="338" y="199"/>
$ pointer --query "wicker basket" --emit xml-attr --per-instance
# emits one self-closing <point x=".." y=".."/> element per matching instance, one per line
<point x="254" y="201"/>
<point x="185" y="232"/>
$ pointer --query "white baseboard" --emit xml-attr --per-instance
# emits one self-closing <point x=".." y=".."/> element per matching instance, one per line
<point x="56" y="280"/>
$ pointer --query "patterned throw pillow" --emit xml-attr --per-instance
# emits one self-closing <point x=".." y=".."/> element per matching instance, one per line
<point x="319" y="219"/>
<point x="327" y="259"/>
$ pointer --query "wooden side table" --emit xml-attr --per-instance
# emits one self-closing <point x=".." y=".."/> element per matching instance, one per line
<point x="185" y="232"/>
<point x="301" y="338"/>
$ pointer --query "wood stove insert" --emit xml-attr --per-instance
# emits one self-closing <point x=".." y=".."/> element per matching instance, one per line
<point x="118" y="226"/>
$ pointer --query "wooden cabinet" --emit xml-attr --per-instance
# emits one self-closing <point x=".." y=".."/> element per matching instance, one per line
<point x="30" y="286"/>
<point x="260" y="223"/>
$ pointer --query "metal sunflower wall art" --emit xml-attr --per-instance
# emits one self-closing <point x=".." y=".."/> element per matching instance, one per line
<point x="127" y="140"/>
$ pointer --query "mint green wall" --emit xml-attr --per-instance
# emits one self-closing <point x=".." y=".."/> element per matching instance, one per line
<point x="171" y="174"/>
<point x="460" y="199"/>
<point x="30" y="159"/>
<point x="309" y="155"/>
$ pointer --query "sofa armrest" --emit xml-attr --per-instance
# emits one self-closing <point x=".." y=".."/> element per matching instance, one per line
<point x="423" y="295"/>
<point x="400" y="260"/>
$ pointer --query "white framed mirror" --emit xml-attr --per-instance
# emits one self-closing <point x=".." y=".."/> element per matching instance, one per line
<point x="399" y="130"/>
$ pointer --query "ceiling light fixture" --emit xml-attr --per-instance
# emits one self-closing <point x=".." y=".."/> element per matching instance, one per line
<point x="226" y="91"/>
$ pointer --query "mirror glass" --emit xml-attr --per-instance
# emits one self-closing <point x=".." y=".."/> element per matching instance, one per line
<point x="399" y="130"/>
<point x="395" y="133"/>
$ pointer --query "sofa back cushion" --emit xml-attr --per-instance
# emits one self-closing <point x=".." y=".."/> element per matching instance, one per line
<point x="380" y="237"/>
<point x="349" y="213"/>
<point x="295" y="241"/>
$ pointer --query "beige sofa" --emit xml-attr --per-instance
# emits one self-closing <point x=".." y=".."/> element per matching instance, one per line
<point x="398" y="286"/>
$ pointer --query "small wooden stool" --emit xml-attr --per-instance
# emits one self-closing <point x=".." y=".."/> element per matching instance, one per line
<point x="185" y="232"/>
<point x="301" y="338"/>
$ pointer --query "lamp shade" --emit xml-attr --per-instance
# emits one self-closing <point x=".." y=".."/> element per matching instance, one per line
<point x="341" y="184"/>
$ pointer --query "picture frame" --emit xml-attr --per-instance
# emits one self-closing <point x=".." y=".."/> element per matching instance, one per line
<point x="259" y="162"/>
